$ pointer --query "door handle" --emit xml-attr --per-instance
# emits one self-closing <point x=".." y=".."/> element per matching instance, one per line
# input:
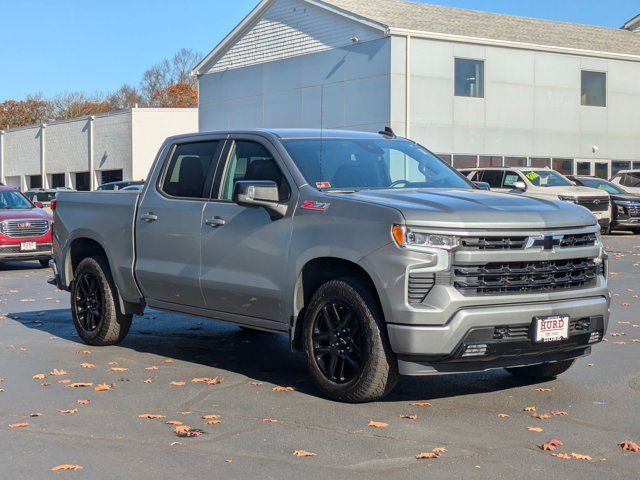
<point x="215" y="222"/>
<point x="149" y="217"/>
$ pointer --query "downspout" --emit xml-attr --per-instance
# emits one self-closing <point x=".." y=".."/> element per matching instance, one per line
<point x="43" y="155"/>
<point x="92" y="175"/>
<point x="407" y="88"/>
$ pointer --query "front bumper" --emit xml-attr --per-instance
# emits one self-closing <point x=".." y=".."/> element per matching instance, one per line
<point x="13" y="252"/>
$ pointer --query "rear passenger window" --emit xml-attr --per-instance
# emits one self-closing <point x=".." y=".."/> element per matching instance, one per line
<point x="492" y="177"/>
<point x="252" y="161"/>
<point x="187" y="170"/>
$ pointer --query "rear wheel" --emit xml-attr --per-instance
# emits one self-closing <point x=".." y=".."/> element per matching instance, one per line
<point x="94" y="304"/>
<point x="543" y="370"/>
<point x="345" y="339"/>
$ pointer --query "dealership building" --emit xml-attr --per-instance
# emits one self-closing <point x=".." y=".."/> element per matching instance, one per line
<point x="83" y="153"/>
<point x="477" y="88"/>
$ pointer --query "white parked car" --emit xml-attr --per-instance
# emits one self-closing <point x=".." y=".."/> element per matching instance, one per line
<point x="629" y="180"/>
<point x="544" y="183"/>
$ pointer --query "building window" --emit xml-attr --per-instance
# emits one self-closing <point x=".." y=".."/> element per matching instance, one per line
<point x="540" y="162"/>
<point x="490" y="161"/>
<point x="594" y="89"/>
<point x="57" y="180"/>
<point x="35" y="181"/>
<point x="465" y="161"/>
<point x="82" y="181"/>
<point x="618" y="165"/>
<point x="563" y="165"/>
<point x="469" y="76"/>
<point x="515" y="161"/>
<point x="108" y="176"/>
<point x="636" y="165"/>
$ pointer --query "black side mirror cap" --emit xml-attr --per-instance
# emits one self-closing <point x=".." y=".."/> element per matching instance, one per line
<point x="259" y="194"/>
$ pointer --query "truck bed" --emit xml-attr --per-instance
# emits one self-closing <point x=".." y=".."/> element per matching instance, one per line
<point x="108" y="218"/>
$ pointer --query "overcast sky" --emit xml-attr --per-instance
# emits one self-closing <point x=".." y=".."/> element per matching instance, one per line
<point x="53" y="46"/>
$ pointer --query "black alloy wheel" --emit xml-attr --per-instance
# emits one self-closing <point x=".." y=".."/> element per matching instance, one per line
<point x="338" y="342"/>
<point x="89" y="302"/>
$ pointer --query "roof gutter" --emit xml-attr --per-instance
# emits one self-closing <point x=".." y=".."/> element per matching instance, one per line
<point x="509" y="44"/>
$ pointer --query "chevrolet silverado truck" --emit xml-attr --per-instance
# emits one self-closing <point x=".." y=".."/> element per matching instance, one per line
<point x="376" y="258"/>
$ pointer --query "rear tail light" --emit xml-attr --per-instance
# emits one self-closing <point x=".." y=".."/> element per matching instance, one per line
<point x="54" y="204"/>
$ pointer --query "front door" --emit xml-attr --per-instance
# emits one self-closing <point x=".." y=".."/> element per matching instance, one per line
<point x="244" y="250"/>
<point x="169" y="223"/>
<point x="593" y="168"/>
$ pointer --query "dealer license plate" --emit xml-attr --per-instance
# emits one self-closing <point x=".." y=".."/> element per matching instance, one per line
<point x="551" y="329"/>
<point x="27" y="246"/>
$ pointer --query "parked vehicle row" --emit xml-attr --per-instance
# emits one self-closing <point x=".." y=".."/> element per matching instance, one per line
<point x="376" y="258"/>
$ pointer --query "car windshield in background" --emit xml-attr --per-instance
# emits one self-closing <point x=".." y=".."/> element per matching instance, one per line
<point x="362" y="164"/>
<point x="544" y="178"/>
<point x="45" y="197"/>
<point x="13" y="201"/>
<point x="602" y="185"/>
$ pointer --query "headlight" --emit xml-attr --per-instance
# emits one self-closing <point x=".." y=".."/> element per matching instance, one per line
<point x="566" y="198"/>
<point x="405" y="237"/>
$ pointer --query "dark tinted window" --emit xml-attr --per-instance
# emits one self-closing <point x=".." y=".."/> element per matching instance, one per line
<point x="35" y="181"/>
<point x="252" y="161"/>
<point x="82" y="181"/>
<point x="108" y="176"/>
<point x="469" y="78"/>
<point x="492" y="177"/>
<point x="594" y="89"/>
<point x="57" y="180"/>
<point x="186" y="173"/>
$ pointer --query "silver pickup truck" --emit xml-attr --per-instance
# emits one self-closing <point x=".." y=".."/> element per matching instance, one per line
<point x="373" y="255"/>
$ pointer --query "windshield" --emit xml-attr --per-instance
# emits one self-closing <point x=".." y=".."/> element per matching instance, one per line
<point x="601" y="184"/>
<point x="13" y="201"/>
<point x="355" y="164"/>
<point x="44" y="197"/>
<point x="546" y="178"/>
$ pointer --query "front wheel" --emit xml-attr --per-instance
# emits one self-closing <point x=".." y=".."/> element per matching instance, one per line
<point x="542" y="371"/>
<point x="345" y="340"/>
<point x="94" y="304"/>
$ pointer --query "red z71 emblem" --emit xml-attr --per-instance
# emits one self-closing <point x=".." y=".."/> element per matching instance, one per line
<point x="316" y="206"/>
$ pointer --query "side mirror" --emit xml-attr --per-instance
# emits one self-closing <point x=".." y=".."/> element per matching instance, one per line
<point x="520" y="185"/>
<point x="482" y="185"/>
<point x="38" y="205"/>
<point x="259" y="193"/>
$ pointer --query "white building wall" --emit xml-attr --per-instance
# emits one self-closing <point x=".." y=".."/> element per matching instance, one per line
<point x="22" y="146"/>
<point x="531" y="106"/>
<point x="150" y="128"/>
<point x="67" y="146"/>
<point x="112" y="147"/>
<point x="347" y="87"/>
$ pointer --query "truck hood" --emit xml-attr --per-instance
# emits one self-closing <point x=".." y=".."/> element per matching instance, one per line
<point x="572" y="191"/>
<point x="31" y="214"/>
<point x="453" y="208"/>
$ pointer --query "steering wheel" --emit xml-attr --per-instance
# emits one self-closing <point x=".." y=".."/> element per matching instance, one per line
<point x="399" y="182"/>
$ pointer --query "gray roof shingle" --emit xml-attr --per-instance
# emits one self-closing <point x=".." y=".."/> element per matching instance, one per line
<point x="455" y="21"/>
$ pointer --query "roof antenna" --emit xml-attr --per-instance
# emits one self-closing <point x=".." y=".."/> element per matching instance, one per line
<point x="388" y="132"/>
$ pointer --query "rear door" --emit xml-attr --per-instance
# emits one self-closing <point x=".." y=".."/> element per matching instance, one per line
<point x="169" y="221"/>
<point x="244" y="250"/>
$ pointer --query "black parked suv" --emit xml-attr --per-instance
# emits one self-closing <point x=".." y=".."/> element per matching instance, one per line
<point x="625" y="205"/>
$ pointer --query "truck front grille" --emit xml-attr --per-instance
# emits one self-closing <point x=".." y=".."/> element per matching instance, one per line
<point x="595" y="204"/>
<point x="420" y="284"/>
<point x="24" y="228"/>
<point x="634" y="211"/>
<point x="486" y="243"/>
<point x="498" y="278"/>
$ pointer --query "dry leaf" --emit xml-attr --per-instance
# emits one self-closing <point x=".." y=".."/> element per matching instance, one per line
<point x="103" y="387"/>
<point x="86" y="352"/>
<point x="547" y="446"/>
<point x="503" y="415"/>
<point x="543" y="389"/>
<point x="83" y="402"/>
<point x="375" y="424"/>
<point x="215" y="381"/>
<point x="303" y="453"/>
<point x="534" y="429"/>
<point x="177" y="384"/>
<point x="212" y="419"/>
<point x="560" y="413"/>
<point x="424" y="455"/>
<point x="151" y="416"/>
<point x="70" y="411"/>
<point x="421" y="404"/>
<point x="555" y="442"/>
<point x="269" y="420"/>
<point x="174" y="423"/>
<point x="87" y="365"/>
<point x="153" y="367"/>
<point x="255" y="384"/>
<point x="66" y="467"/>
<point x="200" y="380"/>
<point x="439" y="450"/>
<point x="564" y="456"/>
<point x="187" y="431"/>
<point x="118" y="369"/>
<point x="64" y="381"/>
<point x="55" y="372"/>
<point x="19" y="425"/>
<point x="530" y="409"/>
<point x="579" y="456"/>
<point x="630" y="446"/>
<point x="168" y="360"/>
<point x="541" y="416"/>
<point x="279" y="388"/>
<point x="148" y="380"/>
<point x="409" y="417"/>
<point x="80" y="385"/>
<point x="39" y="376"/>
<point x="37" y="414"/>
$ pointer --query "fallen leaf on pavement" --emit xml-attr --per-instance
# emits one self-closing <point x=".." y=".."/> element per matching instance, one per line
<point x="255" y="384"/>
<point x="70" y="411"/>
<point x="435" y="453"/>
<point x="83" y="402"/>
<point x="560" y="413"/>
<point x="503" y="415"/>
<point x="66" y="467"/>
<point x="212" y="419"/>
<point x="530" y="409"/>
<point x="534" y="429"/>
<point x="421" y="404"/>
<point x="279" y="388"/>
<point x="37" y="414"/>
<point x="564" y="456"/>
<point x="303" y="453"/>
<point x="168" y="360"/>
<point x="630" y="446"/>
<point x="87" y="365"/>
<point x="269" y="420"/>
<point x="174" y="423"/>
<point x="187" y="431"/>
<point x="103" y="387"/>
<point x="64" y="381"/>
<point x="177" y="384"/>
<point x="579" y="456"/>
<point x="375" y="424"/>
<point x="151" y="416"/>
<point x="118" y="369"/>
<point x="543" y="389"/>
<point x="19" y="425"/>
<point x="80" y="385"/>
<point x="39" y="376"/>
<point x="148" y="380"/>
<point x="215" y="381"/>
<point x="153" y="367"/>
<point x="541" y="416"/>
<point x="55" y="372"/>
<point x="409" y="417"/>
<point x="547" y="446"/>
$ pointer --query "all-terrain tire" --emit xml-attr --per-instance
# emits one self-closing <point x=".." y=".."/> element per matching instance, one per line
<point x="379" y="371"/>
<point x="542" y="371"/>
<point x="112" y="325"/>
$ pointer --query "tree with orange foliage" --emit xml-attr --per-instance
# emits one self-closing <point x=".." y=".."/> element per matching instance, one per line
<point x="180" y="95"/>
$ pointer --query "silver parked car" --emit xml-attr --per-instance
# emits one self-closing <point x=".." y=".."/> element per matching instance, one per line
<point x="375" y="257"/>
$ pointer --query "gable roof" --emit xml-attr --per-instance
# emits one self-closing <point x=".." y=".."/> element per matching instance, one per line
<point x="456" y="24"/>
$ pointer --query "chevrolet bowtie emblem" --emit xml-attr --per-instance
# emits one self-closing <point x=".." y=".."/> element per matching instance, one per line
<point x="546" y="241"/>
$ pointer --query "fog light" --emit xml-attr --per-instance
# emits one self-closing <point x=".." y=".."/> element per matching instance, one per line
<point x="475" y="350"/>
<point x="595" y="337"/>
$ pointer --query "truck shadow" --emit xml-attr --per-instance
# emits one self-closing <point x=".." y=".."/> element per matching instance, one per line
<point x="259" y="356"/>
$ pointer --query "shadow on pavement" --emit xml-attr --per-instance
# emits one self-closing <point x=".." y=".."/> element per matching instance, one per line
<point x="260" y="356"/>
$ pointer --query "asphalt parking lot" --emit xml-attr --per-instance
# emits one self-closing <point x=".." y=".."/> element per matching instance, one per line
<point x="252" y="430"/>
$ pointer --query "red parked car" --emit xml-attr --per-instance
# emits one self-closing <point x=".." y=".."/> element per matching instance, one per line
<point x="25" y="229"/>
